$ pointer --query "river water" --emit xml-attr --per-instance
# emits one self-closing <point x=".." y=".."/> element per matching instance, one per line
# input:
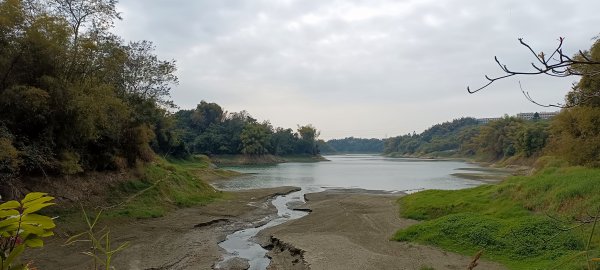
<point x="369" y="172"/>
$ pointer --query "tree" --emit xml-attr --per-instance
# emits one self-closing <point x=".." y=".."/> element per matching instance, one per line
<point x="256" y="138"/>
<point x="308" y="139"/>
<point x="206" y="114"/>
<point x="145" y="77"/>
<point x="95" y="16"/>
<point x="64" y="108"/>
<point x="576" y="135"/>
<point x="284" y="141"/>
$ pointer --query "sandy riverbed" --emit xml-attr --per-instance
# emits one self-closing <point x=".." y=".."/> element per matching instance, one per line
<point x="352" y="231"/>
<point x="345" y="230"/>
<point x="184" y="239"/>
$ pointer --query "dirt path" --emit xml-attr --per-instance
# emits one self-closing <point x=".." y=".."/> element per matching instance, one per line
<point x="184" y="239"/>
<point x="352" y="231"/>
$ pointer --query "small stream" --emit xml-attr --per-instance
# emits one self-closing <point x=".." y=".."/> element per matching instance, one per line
<point x="240" y="243"/>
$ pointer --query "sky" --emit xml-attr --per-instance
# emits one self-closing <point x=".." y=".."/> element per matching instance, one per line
<point x="362" y="68"/>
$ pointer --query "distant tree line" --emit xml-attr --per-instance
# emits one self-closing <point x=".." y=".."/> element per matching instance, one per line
<point x="353" y="145"/>
<point x="210" y="130"/>
<point x="496" y="140"/>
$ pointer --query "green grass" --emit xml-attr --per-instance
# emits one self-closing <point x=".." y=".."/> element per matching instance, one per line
<point x="511" y="221"/>
<point x="166" y="185"/>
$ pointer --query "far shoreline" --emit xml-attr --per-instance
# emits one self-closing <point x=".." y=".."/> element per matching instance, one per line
<point x="239" y="160"/>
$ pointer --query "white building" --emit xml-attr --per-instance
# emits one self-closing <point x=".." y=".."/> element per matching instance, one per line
<point x="542" y="115"/>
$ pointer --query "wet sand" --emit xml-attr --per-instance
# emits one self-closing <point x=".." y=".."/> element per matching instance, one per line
<point x="352" y="231"/>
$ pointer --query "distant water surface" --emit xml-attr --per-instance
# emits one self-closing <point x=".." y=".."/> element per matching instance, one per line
<point x="370" y="172"/>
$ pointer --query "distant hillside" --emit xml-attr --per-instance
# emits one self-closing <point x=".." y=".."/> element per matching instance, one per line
<point x="444" y="137"/>
<point x="353" y="145"/>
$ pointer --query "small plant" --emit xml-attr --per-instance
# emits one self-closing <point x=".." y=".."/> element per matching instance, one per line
<point x="591" y="262"/>
<point x="101" y="249"/>
<point x="21" y="227"/>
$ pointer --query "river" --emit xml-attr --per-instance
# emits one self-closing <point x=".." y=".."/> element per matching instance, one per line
<point x="369" y="172"/>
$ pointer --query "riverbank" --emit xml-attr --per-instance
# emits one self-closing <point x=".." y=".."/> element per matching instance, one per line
<point x="237" y="160"/>
<point x="182" y="239"/>
<point x="352" y="230"/>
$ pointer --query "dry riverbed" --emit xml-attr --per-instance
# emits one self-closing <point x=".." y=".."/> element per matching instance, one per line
<point x="345" y="230"/>
<point x="352" y="231"/>
<point x="184" y="239"/>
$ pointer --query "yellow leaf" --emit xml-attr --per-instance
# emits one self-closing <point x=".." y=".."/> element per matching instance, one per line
<point x="8" y="213"/>
<point x="10" y="205"/>
<point x="36" y="207"/>
<point x="32" y="196"/>
<point x="35" y="242"/>
<point x="37" y="201"/>
<point x="35" y="219"/>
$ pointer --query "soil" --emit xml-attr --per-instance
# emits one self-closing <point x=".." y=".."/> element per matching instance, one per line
<point x="352" y="231"/>
<point x="345" y="230"/>
<point x="184" y="239"/>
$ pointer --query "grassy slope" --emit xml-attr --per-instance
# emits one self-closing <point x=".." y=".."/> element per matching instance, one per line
<point x="166" y="185"/>
<point x="510" y="221"/>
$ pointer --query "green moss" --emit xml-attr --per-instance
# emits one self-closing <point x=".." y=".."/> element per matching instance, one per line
<point x="510" y="221"/>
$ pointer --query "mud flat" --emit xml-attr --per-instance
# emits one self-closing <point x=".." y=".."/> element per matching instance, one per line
<point x="183" y="239"/>
<point x="352" y="230"/>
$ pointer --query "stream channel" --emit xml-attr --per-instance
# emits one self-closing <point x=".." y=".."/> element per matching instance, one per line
<point x="368" y="172"/>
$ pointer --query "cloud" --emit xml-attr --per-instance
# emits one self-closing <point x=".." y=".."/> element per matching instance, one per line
<point x="357" y="68"/>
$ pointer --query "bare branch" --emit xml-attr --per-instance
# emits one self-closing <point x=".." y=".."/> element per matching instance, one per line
<point x="557" y="64"/>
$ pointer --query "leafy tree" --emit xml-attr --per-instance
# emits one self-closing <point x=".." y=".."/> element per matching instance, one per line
<point x="206" y="114"/>
<point x="68" y="100"/>
<point x="532" y="138"/>
<point x="576" y="135"/>
<point x="354" y="145"/>
<point x="308" y="140"/>
<point x="284" y="141"/>
<point x="145" y="77"/>
<point x="256" y="138"/>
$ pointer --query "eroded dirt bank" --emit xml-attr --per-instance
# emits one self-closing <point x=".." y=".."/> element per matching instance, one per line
<point x="184" y="239"/>
<point x="352" y="231"/>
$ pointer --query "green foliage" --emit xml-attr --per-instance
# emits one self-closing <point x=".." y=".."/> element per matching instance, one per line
<point x="354" y="145"/>
<point x="438" y="138"/>
<point x="256" y="138"/>
<point x="73" y="96"/>
<point x="101" y="250"/>
<point x="510" y="220"/>
<point x="284" y="142"/>
<point x="587" y="91"/>
<point x="163" y="186"/>
<point x="22" y="227"/>
<point x="308" y="140"/>
<point x="576" y="135"/>
<point x="497" y="139"/>
<point x="9" y="157"/>
<point x="211" y="131"/>
<point x="494" y="141"/>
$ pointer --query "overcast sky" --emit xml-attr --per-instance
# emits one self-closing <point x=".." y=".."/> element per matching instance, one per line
<point x="361" y="68"/>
